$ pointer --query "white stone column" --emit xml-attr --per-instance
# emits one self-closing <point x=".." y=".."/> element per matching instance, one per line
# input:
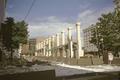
<point x="63" y="43"/>
<point x="53" y="46"/>
<point x="57" y="44"/>
<point x="38" y="44"/>
<point x="79" y="47"/>
<point x="70" y="43"/>
<point x="63" y="37"/>
<point x="57" y="39"/>
<point x="41" y="48"/>
<point x="49" y="47"/>
<point x="44" y="48"/>
<point x="36" y="49"/>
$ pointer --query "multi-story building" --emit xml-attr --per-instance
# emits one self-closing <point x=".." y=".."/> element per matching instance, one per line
<point x="25" y="49"/>
<point x="88" y="47"/>
<point x="33" y="43"/>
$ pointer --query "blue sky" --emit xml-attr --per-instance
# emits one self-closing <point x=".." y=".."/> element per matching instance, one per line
<point x="48" y="17"/>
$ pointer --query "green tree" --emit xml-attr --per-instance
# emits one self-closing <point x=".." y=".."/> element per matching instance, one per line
<point x="106" y="34"/>
<point x="6" y="33"/>
<point x="107" y="31"/>
<point x="117" y="29"/>
<point x="117" y="4"/>
<point x="20" y="34"/>
<point x="13" y="34"/>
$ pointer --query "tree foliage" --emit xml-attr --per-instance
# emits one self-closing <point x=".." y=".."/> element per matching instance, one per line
<point x="106" y="34"/>
<point x="6" y="33"/>
<point x="20" y="34"/>
<point x="13" y="34"/>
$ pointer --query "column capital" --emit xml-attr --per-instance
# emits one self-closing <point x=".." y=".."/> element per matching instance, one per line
<point x="49" y="38"/>
<point x="63" y="31"/>
<point x="69" y="28"/>
<point x="57" y="34"/>
<point x="43" y="41"/>
<point x="78" y="24"/>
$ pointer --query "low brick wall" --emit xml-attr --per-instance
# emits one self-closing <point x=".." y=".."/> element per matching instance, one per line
<point x="37" y="75"/>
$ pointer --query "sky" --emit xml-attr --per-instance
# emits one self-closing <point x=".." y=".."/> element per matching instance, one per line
<point x="48" y="17"/>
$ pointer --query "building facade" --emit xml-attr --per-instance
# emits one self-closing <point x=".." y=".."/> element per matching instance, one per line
<point x="33" y="45"/>
<point x="87" y="34"/>
<point x="25" y="49"/>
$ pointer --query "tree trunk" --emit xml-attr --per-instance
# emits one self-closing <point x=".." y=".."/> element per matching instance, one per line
<point x="0" y="55"/>
<point x="11" y="56"/>
<point x="105" y="57"/>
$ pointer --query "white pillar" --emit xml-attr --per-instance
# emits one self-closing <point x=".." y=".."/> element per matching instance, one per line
<point x="44" y="48"/>
<point x="41" y="48"/>
<point x="63" y="37"/>
<point x="63" y="43"/>
<point x="36" y="49"/>
<point x="57" y="39"/>
<point x="70" y="43"/>
<point x="49" y="47"/>
<point x="57" y="44"/>
<point x="79" y="47"/>
<point x="53" y="46"/>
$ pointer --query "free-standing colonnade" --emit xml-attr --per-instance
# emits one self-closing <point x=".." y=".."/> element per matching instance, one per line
<point x="57" y="46"/>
